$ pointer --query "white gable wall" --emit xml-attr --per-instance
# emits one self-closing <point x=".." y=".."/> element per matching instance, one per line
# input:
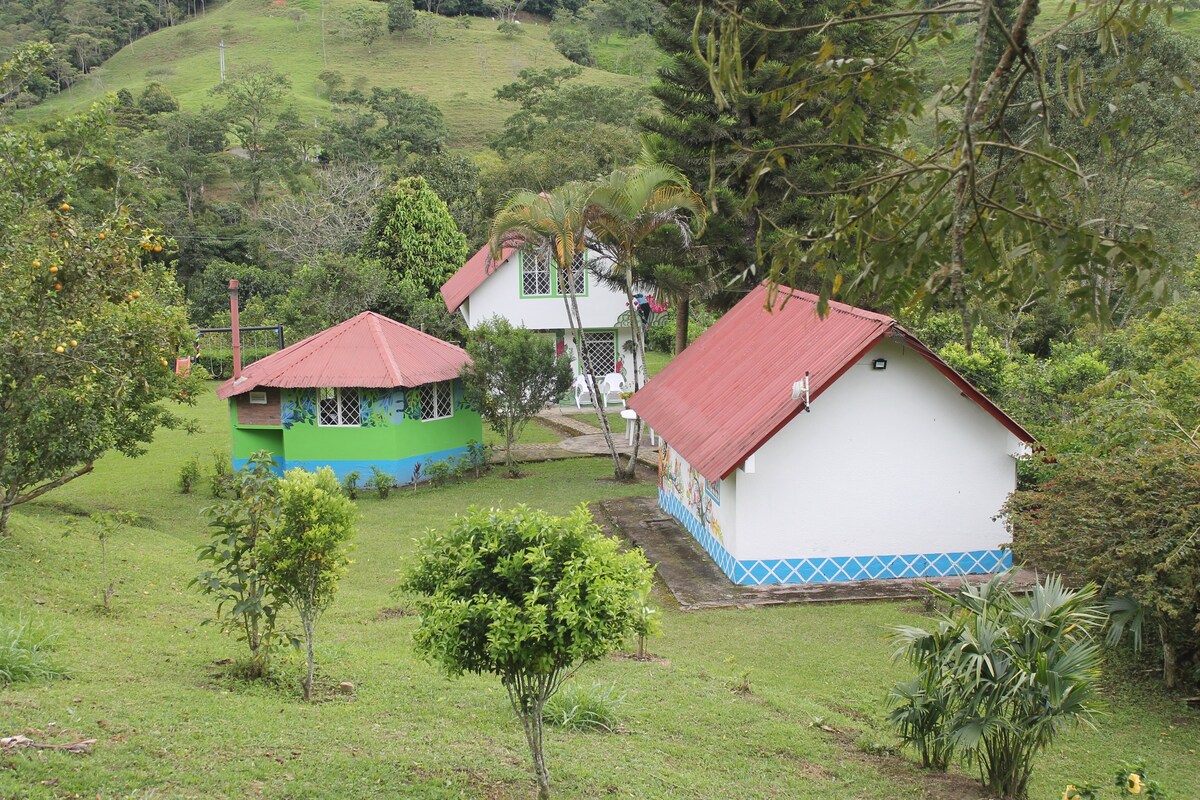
<point x="500" y="295"/>
<point x="888" y="462"/>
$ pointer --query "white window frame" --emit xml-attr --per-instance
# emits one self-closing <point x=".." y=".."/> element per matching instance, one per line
<point x="579" y="272"/>
<point x="340" y="394"/>
<point x="540" y="263"/>
<point x="440" y="390"/>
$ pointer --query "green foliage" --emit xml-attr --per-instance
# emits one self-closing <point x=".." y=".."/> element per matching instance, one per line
<point x="476" y="458"/>
<point x="331" y="290"/>
<point x="437" y="471"/>
<point x="400" y="16"/>
<point x="575" y="45"/>
<point x="661" y="335"/>
<point x="221" y="481"/>
<point x="999" y="676"/>
<point x="189" y="475"/>
<point x="514" y="373"/>
<point x="1129" y="781"/>
<point x="595" y="708"/>
<point x="647" y="619"/>
<point x="415" y="237"/>
<point x="381" y="482"/>
<point x="350" y="484"/>
<point x="247" y="602"/>
<point x="27" y="651"/>
<point x="365" y="25"/>
<point x="1127" y="522"/>
<point x="252" y="113"/>
<point x="527" y="597"/>
<point x="208" y="290"/>
<point x="92" y="319"/>
<point x="304" y="555"/>
<point x="155" y="99"/>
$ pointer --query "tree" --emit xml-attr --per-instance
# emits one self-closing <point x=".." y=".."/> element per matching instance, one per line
<point x="328" y="216"/>
<point x="184" y="150"/>
<point x="527" y="597"/>
<point x="22" y="66"/>
<point x="93" y="321"/>
<point x="554" y="224"/>
<point x="573" y="45"/>
<point x="999" y="676"/>
<point x="979" y="215"/>
<point x="252" y="104"/>
<point x="332" y="289"/>
<point x="514" y="373"/>
<point x="247" y="603"/>
<point x="628" y="207"/>
<point x="155" y="99"/>
<point x="365" y="24"/>
<point x="411" y="123"/>
<point x="414" y="235"/>
<point x="401" y="17"/>
<point x="304" y="555"/>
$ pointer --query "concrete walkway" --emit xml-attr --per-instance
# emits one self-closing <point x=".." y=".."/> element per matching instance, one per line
<point x="696" y="582"/>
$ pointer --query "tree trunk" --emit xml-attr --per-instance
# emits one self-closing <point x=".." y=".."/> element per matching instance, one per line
<point x="1169" y="665"/>
<point x="639" y="350"/>
<point x="585" y="366"/>
<point x="310" y="630"/>
<point x="682" y="309"/>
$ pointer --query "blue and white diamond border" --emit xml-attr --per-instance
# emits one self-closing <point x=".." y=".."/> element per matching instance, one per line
<point x="763" y="572"/>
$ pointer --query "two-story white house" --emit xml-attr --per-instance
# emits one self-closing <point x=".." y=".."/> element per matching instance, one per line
<point x="527" y="289"/>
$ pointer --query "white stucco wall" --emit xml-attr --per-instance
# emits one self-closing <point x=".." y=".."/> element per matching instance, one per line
<point x="500" y="295"/>
<point x="892" y="461"/>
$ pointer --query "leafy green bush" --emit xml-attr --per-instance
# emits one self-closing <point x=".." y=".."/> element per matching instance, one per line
<point x="381" y="482"/>
<point x="1130" y="780"/>
<point x="438" y="472"/>
<point x="221" y="481"/>
<point x="350" y="484"/>
<point x="586" y="708"/>
<point x="999" y="676"/>
<point x="573" y="44"/>
<point x="26" y="651"/>
<point x="189" y="474"/>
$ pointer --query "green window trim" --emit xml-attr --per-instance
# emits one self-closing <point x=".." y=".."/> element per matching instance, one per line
<point x="553" y="279"/>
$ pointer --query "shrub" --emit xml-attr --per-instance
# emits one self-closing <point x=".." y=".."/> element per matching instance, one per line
<point x="476" y="458"/>
<point x="437" y="472"/>
<point x="26" y="651"/>
<point x="646" y="619"/>
<point x="480" y="614"/>
<point x="586" y="708"/>
<point x="999" y="675"/>
<point x="189" y="474"/>
<point x="574" y="45"/>
<point x="350" y="484"/>
<point x="221" y="481"/>
<point x="381" y="482"/>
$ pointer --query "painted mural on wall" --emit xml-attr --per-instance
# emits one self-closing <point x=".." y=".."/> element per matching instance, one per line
<point x="299" y="408"/>
<point x="688" y="487"/>
<point x="378" y="407"/>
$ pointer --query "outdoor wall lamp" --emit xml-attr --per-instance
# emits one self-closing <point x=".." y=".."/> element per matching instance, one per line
<point x="879" y="363"/>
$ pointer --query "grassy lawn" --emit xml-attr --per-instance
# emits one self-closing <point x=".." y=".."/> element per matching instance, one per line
<point x="147" y="682"/>
<point x="459" y="72"/>
<point x="534" y="433"/>
<point x="615" y="420"/>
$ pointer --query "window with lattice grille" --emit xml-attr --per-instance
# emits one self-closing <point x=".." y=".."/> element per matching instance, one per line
<point x="600" y="352"/>
<point x="437" y="400"/>
<point x="535" y="274"/>
<point x="338" y="407"/>
<point x="578" y="275"/>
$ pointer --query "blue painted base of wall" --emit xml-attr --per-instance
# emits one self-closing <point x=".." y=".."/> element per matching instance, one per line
<point x="834" y="570"/>
<point x="400" y="469"/>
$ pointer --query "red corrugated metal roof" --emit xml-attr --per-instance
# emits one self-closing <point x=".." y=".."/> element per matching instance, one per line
<point x="727" y="394"/>
<point x="368" y="350"/>
<point x="471" y="276"/>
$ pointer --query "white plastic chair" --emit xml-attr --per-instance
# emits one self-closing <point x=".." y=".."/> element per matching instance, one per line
<point x="583" y="394"/>
<point x="611" y="389"/>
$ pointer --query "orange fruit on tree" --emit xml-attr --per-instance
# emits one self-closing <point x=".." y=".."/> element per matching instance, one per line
<point x="53" y="270"/>
<point x="58" y="349"/>
<point x="58" y="287"/>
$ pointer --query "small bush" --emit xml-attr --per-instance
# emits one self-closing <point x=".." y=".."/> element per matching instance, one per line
<point x="26" y="651"/>
<point x="189" y="475"/>
<point x="438" y="472"/>
<point x="381" y="482"/>
<point x="586" y="708"/>
<point x="350" y="484"/>
<point x="476" y="457"/>
<point x="220" y="482"/>
<point x="574" y="45"/>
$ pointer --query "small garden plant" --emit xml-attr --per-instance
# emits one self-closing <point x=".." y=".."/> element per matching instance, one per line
<point x="527" y="597"/>
<point x="381" y="482"/>
<point x="27" y="651"/>
<point x="998" y="676"/>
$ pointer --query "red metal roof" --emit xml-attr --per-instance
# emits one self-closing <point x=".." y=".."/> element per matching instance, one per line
<point x="724" y="396"/>
<point x="471" y="276"/>
<point x="368" y="350"/>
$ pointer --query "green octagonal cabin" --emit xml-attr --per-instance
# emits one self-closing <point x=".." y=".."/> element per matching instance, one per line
<point x="368" y="392"/>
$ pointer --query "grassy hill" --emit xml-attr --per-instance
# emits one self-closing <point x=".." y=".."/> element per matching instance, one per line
<point x="459" y="71"/>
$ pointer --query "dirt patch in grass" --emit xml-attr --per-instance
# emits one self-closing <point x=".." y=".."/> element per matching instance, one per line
<point x="395" y="612"/>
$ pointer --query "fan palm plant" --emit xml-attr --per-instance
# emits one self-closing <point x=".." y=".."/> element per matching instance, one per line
<point x="627" y="207"/>
<point x="1000" y="675"/>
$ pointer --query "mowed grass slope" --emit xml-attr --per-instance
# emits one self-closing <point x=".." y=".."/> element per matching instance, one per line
<point x="459" y="72"/>
<point x="148" y="682"/>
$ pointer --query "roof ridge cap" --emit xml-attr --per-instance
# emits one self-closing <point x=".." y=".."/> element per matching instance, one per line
<point x="381" y="345"/>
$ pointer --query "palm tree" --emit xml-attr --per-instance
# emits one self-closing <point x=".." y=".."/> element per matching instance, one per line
<point x="554" y="223"/>
<point x="627" y="207"/>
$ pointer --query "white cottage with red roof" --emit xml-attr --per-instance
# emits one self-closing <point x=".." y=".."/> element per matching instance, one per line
<point x="370" y="392"/>
<point x="801" y="449"/>
<point x="524" y="288"/>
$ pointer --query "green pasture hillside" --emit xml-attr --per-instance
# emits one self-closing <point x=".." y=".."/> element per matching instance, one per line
<point x="459" y="71"/>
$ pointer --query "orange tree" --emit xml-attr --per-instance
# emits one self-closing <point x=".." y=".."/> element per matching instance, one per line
<point x="90" y="322"/>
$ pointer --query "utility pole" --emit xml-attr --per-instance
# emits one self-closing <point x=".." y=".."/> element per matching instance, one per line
<point x="222" y="45"/>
